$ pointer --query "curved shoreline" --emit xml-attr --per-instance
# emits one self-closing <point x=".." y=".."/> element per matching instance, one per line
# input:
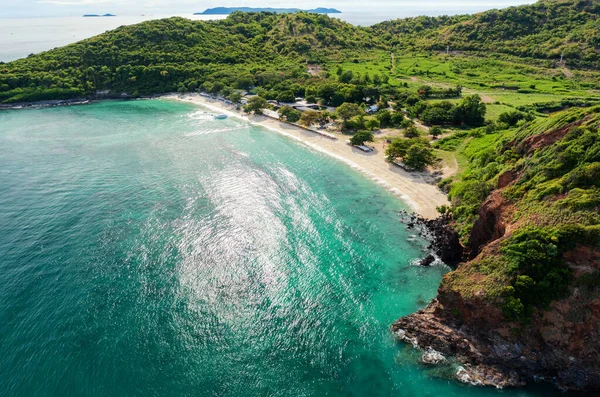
<point x="422" y="197"/>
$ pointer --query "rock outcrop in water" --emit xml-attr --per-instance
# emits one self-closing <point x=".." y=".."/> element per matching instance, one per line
<point x="445" y="242"/>
<point x="556" y="348"/>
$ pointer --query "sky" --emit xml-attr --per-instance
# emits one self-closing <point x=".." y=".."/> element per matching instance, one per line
<point x="394" y="8"/>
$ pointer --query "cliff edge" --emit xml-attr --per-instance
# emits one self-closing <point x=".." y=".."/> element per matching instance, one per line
<point x="525" y="305"/>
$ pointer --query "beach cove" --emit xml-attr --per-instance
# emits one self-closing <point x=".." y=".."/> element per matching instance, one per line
<point x="421" y="196"/>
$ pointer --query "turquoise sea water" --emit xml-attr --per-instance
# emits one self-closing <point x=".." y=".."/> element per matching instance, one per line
<point x="150" y="250"/>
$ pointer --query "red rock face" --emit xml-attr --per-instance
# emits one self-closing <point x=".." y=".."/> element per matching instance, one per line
<point x="561" y="345"/>
<point x="584" y="256"/>
<point x="540" y="141"/>
<point x="506" y="178"/>
<point x="489" y="226"/>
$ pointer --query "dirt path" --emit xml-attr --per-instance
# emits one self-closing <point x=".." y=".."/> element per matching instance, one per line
<point x="450" y="169"/>
<point x="487" y="99"/>
<point x="568" y="74"/>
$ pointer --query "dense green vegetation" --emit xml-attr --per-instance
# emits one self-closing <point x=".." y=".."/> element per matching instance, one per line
<point x="553" y="204"/>
<point x="470" y="111"/>
<point x="241" y="52"/>
<point x="361" y="137"/>
<point x="414" y="153"/>
<point x="543" y="30"/>
<point x="274" y="55"/>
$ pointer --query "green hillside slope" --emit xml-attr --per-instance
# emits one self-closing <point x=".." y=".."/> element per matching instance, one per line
<point x="165" y="55"/>
<point x="546" y="30"/>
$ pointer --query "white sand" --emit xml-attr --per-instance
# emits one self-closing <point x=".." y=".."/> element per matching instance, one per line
<point x="421" y="196"/>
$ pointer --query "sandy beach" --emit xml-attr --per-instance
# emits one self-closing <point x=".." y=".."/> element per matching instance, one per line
<point x="412" y="188"/>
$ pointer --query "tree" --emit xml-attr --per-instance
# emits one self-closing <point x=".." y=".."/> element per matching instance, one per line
<point x="398" y="119"/>
<point x="414" y="153"/>
<point x="235" y="97"/>
<point x="411" y="132"/>
<point x="325" y="116"/>
<point x="511" y="118"/>
<point x="405" y="123"/>
<point x="397" y="149"/>
<point x="471" y="111"/>
<point x="346" y="77"/>
<point x="256" y="104"/>
<point x="419" y="156"/>
<point x="309" y="117"/>
<point x="217" y="87"/>
<point x="286" y="96"/>
<point x="207" y="86"/>
<point x="226" y="91"/>
<point x="348" y="110"/>
<point x="425" y="91"/>
<point x="435" y="131"/>
<point x="372" y="124"/>
<point x="361" y="137"/>
<point x="291" y="115"/>
<point x="360" y="122"/>
<point x="385" y="118"/>
<point x="439" y="113"/>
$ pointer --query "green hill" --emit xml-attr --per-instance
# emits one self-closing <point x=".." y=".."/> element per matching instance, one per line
<point x="231" y="10"/>
<point x="542" y="30"/>
<point x="163" y="55"/>
<point x="248" y="50"/>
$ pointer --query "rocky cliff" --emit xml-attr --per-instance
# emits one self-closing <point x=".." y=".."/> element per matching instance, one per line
<point x="525" y="306"/>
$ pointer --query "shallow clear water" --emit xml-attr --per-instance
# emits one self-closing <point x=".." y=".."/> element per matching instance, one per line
<point x="148" y="249"/>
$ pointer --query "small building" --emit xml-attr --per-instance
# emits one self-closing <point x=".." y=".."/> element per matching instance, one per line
<point x="305" y="108"/>
<point x="372" y="109"/>
<point x="364" y="148"/>
<point x="271" y="113"/>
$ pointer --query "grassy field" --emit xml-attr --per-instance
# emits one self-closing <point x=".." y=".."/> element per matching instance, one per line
<point x="503" y="84"/>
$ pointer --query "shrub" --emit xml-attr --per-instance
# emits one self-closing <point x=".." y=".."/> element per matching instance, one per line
<point x="540" y="275"/>
<point x="511" y="118"/>
<point x="292" y="115"/>
<point x="411" y="132"/>
<point x="435" y="131"/>
<point x="361" y="137"/>
<point x="286" y="96"/>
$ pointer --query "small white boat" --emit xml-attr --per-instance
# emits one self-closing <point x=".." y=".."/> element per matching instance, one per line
<point x="221" y="116"/>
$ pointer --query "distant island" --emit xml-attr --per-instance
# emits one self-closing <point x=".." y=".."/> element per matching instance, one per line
<point x="98" y="15"/>
<point x="229" y="10"/>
